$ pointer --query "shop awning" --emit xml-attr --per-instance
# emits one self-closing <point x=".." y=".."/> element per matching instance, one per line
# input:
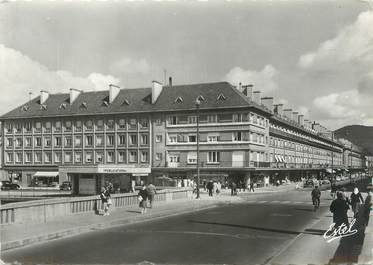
<point x="277" y="159"/>
<point x="46" y="174"/>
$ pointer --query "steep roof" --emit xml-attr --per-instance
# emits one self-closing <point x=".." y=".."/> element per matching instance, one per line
<point x="133" y="101"/>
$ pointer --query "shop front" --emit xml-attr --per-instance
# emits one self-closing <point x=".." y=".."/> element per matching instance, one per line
<point x="88" y="180"/>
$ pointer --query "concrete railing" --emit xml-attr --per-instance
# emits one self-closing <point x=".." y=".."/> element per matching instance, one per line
<point x="51" y="209"/>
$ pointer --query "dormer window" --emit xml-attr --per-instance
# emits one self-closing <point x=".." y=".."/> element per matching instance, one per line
<point x="25" y="108"/>
<point x="201" y="98"/>
<point x="84" y="105"/>
<point x="179" y="100"/>
<point x="63" y="106"/>
<point x="105" y="103"/>
<point x="221" y="97"/>
<point x="43" y="107"/>
<point x="125" y="102"/>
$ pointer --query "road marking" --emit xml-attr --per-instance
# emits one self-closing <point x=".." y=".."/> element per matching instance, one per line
<point x="281" y="214"/>
<point x="262" y="201"/>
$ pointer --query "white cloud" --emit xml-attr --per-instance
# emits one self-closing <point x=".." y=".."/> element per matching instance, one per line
<point x="130" y="66"/>
<point x="20" y="75"/>
<point x="353" y="44"/>
<point x="263" y="80"/>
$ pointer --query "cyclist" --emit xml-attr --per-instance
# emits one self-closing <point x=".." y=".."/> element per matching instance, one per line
<point x="316" y="197"/>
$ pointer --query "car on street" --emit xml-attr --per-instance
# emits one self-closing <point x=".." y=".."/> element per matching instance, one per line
<point x="325" y="181"/>
<point x="308" y="183"/>
<point x="7" y="185"/>
<point x="66" y="185"/>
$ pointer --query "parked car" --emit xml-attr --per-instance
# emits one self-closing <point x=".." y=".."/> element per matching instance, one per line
<point x="325" y="181"/>
<point x="66" y="185"/>
<point x="308" y="183"/>
<point x="7" y="185"/>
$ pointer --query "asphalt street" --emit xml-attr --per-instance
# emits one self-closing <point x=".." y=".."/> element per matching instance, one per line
<point x="252" y="231"/>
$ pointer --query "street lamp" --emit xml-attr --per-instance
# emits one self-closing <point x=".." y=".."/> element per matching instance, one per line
<point x="198" y="103"/>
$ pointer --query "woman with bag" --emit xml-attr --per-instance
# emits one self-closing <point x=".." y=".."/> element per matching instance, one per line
<point x="104" y="201"/>
<point x="109" y="201"/>
<point x="142" y="196"/>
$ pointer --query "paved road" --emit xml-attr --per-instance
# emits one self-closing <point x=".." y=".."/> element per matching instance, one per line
<point x="250" y="232"/>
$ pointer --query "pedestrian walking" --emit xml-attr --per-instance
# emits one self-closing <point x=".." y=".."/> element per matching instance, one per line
<point x="316" y="194"/>
<point x="151" y="189"/>
<point x="210" y="187"/>
<point x="356" y="199"/>
<point x="233" y="189"/>
<point x="104" y="201"/>
<point x="339" y="208"/>
<point x="142" y="196"/>
<point x="215" y="187"/>
<point x="218" y="187"/>
<point x="367" y="207"/>
<point x="252" y="186"/>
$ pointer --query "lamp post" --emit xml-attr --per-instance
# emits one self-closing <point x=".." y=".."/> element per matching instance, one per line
<point x="198" y="103"/>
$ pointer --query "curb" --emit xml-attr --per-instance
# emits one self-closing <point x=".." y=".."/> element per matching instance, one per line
<point x="89" y="228"/>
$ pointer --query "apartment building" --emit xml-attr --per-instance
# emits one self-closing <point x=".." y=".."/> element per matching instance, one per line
<point x="143" y="134"/>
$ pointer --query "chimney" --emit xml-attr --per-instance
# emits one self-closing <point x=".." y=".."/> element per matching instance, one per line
<point x="295" y="116"/>
<point x="240" y="86"/>
<point x="301" y="119"/>
<point x="43" y="96"/>
<point x="280" y="109"/>
<point x="170" y="81"/>
<point x="256" y="96"/>
<point x="248" y="91"/>
<point x="288" y="113"/>
<point x="267" y="102"/>
<point x="113" y="92"/>
<point x="74" y="93"/>
<point x="156" y="90"/>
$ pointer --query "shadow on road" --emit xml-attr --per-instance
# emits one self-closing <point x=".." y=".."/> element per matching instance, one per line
<point x="306" y="231"/>
<point x="304" y="209"/>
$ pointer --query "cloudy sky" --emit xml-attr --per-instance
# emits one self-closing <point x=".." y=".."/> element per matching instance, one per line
<point x="314" y="56"/>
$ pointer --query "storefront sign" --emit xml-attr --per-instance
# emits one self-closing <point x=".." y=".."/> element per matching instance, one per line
<point x="113" y="170"/>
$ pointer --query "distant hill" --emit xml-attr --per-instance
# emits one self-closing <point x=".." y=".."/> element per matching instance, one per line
<point x="359" y="135"/>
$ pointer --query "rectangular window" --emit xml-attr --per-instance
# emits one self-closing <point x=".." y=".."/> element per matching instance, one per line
<point x="110" y="125"/>
<point x="38" y="126"/>
<point x="57" y="157"/>
<point x="132" y="124"/>
<point x="192" y="158"/>
<point x="173" y="120"/>
<point x="172" y="138"/>
<point x="47" y="141"/>
<point x="47" y="157"/>
<point x="18" y="157"/>
<point x="121" y="156"/>
<point x="133" y="156"/>
<point x="158" y="122"/>
<point x="192" y="119"/>
<point x="144" y="157"/>
<point x="143" y="123"/>
<point x="9" y="157"/>
<point x="110" y="156"/>
<point x="89" y="140"/>
<point x="192" y="138"/>
<point x="122" y="140"/>
<point x="158" y="138"/>
<point x="99" y="157"/>
<point x="99" y="140"/>
<point x="122" y="124"/>
<point x="9" y="142"/>
<point x="212" y="138"/>
<point x="213" y="157"/>
<point x="68" y="126"/>
<point x="158" y="156"/>
<point x="28" y="126"/>
<point x="57" y="126"/>
<point x="57" y="141"/>
<point x="212" y="118"/>
<point x="68" y="141"/>
<point x="88" y="125"/>
<point x="78" y="126"/>
<point x="144" y="139"/>
<point x="18" y="128"/>
<point x="237" y="136"/>
<point x="38" y="141"/>
<point x="68" y="157"/>
<point x="19" y="142"/>
<point x="78" y="141"/>
<point x="99" y="125"/>
<point x="110" y="140"/>
<point x="133" y="139"/>
<point x="38" y="157"/>
<point x="78" y="157"/>
<point x="88" y="157"/>
<point x="174" y="158"/>
<point x="28" y="157"/>
<point x="237" y="117"/>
